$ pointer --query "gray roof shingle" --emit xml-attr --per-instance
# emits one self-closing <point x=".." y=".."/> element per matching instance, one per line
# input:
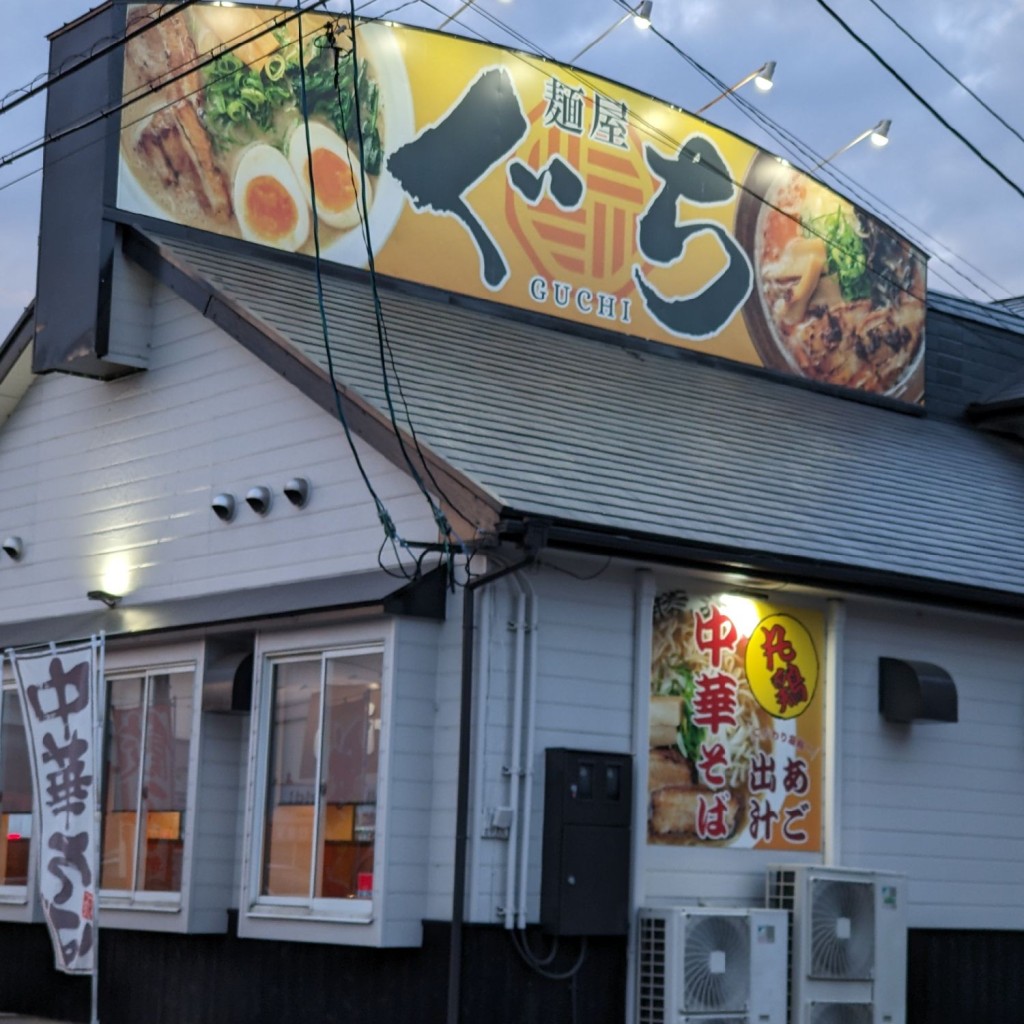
<point x="663" y="445"/>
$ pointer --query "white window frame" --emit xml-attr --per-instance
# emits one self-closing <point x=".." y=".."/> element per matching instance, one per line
<point x="20" y="902"/>
<point x="136" y="908"/>
<point x="347" y="921"/>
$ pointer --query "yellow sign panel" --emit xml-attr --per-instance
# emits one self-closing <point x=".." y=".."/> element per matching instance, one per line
<point x="500" y="175"/>
<point x="736" y="752"/>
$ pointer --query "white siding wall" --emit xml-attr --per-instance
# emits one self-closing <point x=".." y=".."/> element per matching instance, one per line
<point x="584" y="673"/>
<point x="938" y="802"/>
<point x="218" y="838"/>
<point x="410" y="782"/>
<point x="106" y="476"/>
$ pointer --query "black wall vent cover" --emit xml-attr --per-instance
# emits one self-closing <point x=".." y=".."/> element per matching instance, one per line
<point x="915" y="691"/>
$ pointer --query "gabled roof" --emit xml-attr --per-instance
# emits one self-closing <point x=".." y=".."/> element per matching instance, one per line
<point x="657" y="453"/>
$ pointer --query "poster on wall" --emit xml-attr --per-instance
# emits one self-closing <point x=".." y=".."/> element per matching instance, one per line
<point x="499" y="175"/>
<point x="736" y="753"/>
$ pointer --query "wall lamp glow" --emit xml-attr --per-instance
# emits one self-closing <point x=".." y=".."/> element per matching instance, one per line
<point x="223" y="506"/>
<point x="13" y="548"/>
<point x="762" y="79"/>
<point x="110" y="600"/>
<point x="879" y="136"/>
<point x="641" y="15"/>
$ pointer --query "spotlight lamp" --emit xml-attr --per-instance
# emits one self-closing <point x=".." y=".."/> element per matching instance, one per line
<point x="879" y="136"/>
<point x="104" y="596"/>
<point x="762" y="79"/>
<point x="641" y="15"/>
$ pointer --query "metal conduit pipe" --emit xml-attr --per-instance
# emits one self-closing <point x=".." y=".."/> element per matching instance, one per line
<point x="479" y="724"/>
<point x="529" y="729"/>
<point x="536" y="537"/>
<point x="515" y="767"/>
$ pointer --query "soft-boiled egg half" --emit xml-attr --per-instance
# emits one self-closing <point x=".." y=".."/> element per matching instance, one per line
<point x="336" y="177"/>
<point x="270" y="205"/>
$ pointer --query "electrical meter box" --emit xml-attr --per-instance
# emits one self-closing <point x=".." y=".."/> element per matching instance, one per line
<point x="588" y="801"/>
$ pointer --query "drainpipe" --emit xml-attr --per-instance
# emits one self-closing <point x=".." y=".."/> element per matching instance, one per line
<point x="530" y="729"/>
<point x="515" y="766"/>
<point x="534" y="539"/>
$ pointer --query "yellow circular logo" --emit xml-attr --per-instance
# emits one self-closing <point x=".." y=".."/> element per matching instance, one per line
<point x="782" y="666"/>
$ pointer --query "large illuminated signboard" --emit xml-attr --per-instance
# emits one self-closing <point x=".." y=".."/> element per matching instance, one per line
<point x="737" y="735"/>
<point x="503" y="176"/>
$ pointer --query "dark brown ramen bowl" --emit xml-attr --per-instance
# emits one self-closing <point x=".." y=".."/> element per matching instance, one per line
<point x="770" y="346"/>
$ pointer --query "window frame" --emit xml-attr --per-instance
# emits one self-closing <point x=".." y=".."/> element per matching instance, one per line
<point x="147" y="662"/>
<point x="352" y="920"/>
<point x="20" y="902"/>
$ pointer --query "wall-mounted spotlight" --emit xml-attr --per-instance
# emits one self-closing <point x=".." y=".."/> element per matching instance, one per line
<point x="297" y="491"/>
<point x="258" y="499"/>
<point x="110" y="600"/>
<point x="13" y="548"/>
<point x="223" y="506"/>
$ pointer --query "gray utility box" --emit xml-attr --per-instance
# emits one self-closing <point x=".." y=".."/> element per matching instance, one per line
<point x="588" y="799"/>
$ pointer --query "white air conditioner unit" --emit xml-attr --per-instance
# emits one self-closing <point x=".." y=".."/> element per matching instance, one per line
<point x="711" y="966"/>
<point x="848" y="962"/>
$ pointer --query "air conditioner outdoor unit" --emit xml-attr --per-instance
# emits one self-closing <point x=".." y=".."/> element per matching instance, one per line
<point x="848" y="938"/>
<point x="711" y="966"/>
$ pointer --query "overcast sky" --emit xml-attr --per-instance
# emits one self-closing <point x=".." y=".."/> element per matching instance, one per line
<point x="828" y="90"/>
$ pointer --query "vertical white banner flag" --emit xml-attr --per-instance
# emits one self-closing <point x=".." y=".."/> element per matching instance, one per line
<point x="60" y="698"/>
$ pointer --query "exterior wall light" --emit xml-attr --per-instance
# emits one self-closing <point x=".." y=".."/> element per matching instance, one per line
<point x="110" y="600"/>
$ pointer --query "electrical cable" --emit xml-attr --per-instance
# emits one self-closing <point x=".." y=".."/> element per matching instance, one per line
<point x="538" y="965"/>
<point x="439" y="517"/>
<point x="109" y="44"/>
<point x="935" y="60"/>
<point x="920" y="99"/>
<point x="793" y="144"/>
<point x="390" y="531"/>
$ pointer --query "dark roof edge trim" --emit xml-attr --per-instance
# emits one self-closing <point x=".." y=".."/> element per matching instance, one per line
<point x="474" y="509"/>
<point x="423" y="597"/>
<point x="790" y="568"/>
<point x="18" y="340"/>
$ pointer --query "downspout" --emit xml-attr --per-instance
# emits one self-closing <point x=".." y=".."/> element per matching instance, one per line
<point x="535" y="539"/>
<point x="527" y="780"/>
<point x="515" y="766"/>
<point x="479" y="716"/>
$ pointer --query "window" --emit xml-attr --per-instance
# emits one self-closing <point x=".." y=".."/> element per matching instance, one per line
<point x="145" y="781"/>
<point x="321" y="732"/>
<point x="15" y="795"/>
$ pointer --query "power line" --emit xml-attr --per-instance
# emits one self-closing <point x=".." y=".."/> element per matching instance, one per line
<point x="935" y="60"/>
<point x="27" y="92"/>
<point x="920" y="99"/>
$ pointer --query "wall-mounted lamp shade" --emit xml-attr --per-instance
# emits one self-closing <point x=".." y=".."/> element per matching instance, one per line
<point x="13" y="548"/>
<point x="915" y="691"/>
<point x="297" y="491"/>
<point x="110" y="600"/>
<point x="258" y="499"/>
<point x="763" y="78"/>
<point x="223" y="506"/>
<point x="880" y="133"/>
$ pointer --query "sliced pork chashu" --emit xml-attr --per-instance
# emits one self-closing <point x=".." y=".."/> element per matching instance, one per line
<point x="164" y="139"/>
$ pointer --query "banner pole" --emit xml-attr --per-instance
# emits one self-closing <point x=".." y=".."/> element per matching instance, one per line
<point x="99" y="715"/>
